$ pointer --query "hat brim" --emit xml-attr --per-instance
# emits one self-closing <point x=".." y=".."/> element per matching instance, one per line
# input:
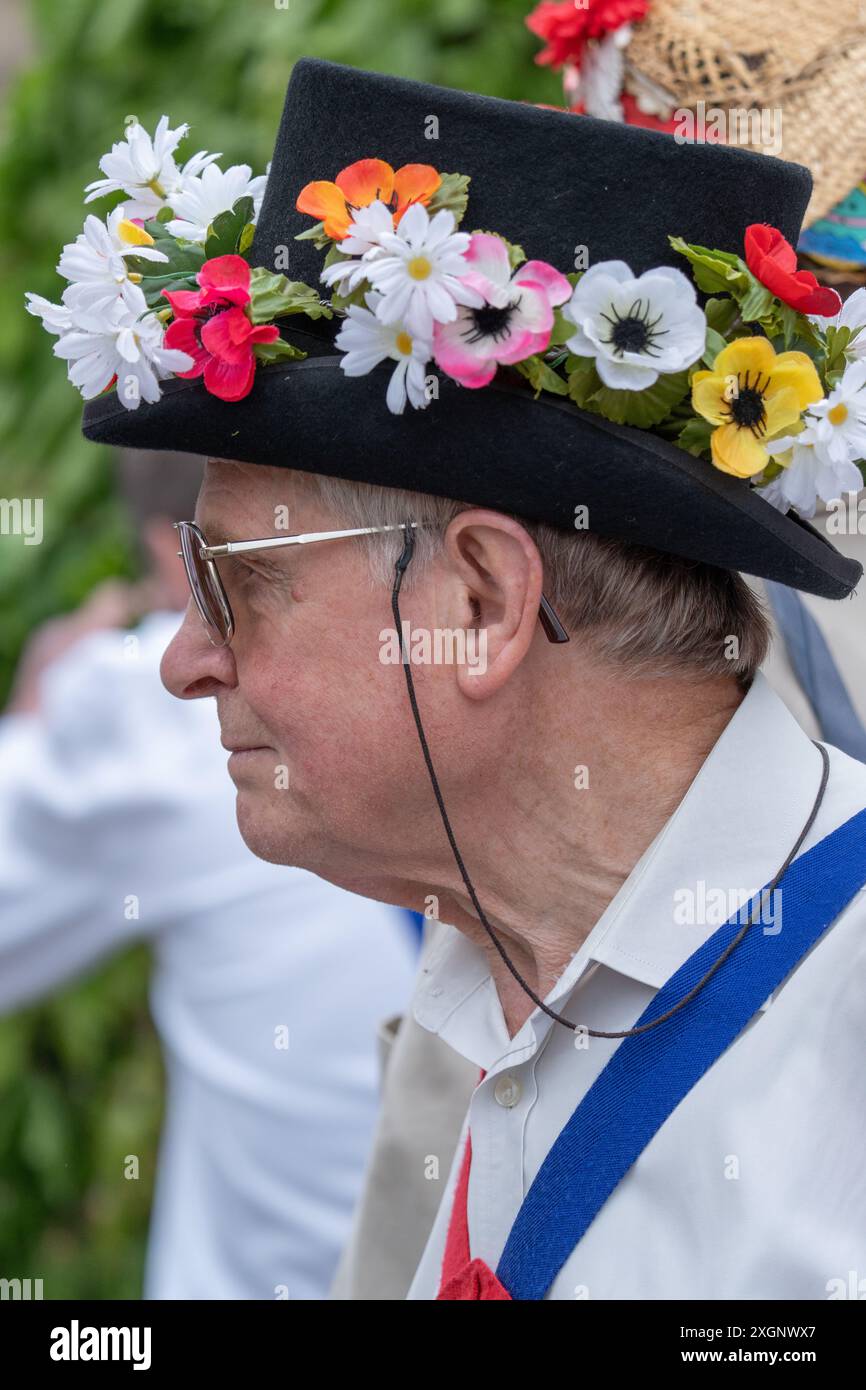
<point x="542" y="459"/>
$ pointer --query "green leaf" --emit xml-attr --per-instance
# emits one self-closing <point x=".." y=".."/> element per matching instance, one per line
<point x="695" y="437"/>
<point x="542" y="377"/>
<point x="163" y="238"/>
<point x="341" y="302"/>
<point x="316" y="234"/>
<point x="642" y="409"/>
<point x="799" y="334"/>
<point x="184" y="258"/>
<point x="722" y="314"/>
<point x="277" y="351"/>
<point x="772" y="470"/>
<point x="226" y="230"/>
<point x="715" y="345"/>
<point x="178" y="272"/>
<point x="583" y="380"/>
<point x="714" y="270"/>
<point x="273" y="296"/>
<point x="153" y="288"/>
<point x="758" y="305"/>
<point x="246" y="240"/>
<point x="837" y="340"/>
<point x="562" y="329"/>
<point x="453" y="194"/>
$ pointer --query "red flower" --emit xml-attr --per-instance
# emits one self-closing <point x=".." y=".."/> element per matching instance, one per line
<point x="773" y="261"/>
<point x="565" y="26"/>
<point x="212" y="326"/>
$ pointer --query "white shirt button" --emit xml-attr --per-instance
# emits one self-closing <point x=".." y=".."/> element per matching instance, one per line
<point x="507" y="1091"/>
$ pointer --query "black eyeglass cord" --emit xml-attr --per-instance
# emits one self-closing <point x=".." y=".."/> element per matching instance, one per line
<point x="400" y="569"/>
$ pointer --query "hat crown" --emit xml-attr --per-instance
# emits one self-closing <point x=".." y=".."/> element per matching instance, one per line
<point x="551" y="181"/>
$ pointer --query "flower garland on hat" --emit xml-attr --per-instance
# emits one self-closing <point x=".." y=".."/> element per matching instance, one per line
<point x="766" y="379"/>
<point x="746" y="381"/>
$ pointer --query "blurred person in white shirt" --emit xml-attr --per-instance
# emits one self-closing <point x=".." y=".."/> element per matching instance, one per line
<point x="117" y="825"/>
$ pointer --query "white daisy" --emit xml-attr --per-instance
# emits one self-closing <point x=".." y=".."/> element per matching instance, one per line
<point x="92" y="303"/>
<point x="416" y="269"/>
<point x="259" y="193"/>
<point x="143" y="167"/>
<point x="822" y="457"/>
<point x="205" y="197"/>
<point x="363" y="239"/>
<point x="178" y="181"/>
<point x="808" y="477"/>
<point x="366" y="342"/>
<point x="128" y="345"/>
<point x="636" y="328"/>
<point x="56" y="318"/>
<point x="840" y="419"/>
<point x="98" y="254"/>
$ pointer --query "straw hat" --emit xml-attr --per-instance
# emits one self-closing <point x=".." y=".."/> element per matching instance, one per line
<point x="804" y="59"/>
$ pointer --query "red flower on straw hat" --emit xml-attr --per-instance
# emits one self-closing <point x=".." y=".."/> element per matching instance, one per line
<point x="566" y="26"/>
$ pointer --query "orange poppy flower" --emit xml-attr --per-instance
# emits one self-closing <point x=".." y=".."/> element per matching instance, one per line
<point x="362" y="183"/>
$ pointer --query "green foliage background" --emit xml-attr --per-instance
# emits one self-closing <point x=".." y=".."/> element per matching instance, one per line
<point x="80" y="1074"/>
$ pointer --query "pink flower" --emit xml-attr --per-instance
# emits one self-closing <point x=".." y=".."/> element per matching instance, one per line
<point x="513" y="323"/>
<point x="211" y="324"/>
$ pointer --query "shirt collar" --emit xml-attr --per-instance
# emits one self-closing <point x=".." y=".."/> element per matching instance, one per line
<point x="728" y="837"/>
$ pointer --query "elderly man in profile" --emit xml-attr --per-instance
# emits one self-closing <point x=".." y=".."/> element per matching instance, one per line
<point x="590" y="784"/>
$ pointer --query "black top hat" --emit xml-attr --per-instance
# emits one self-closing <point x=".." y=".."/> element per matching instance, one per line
<point x="551" y="182"/>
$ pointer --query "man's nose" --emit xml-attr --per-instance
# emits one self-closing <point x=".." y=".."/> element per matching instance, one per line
<point x="192" y="667"/>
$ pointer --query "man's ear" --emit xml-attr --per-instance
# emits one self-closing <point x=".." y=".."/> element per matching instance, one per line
<point x="500" y="575"/>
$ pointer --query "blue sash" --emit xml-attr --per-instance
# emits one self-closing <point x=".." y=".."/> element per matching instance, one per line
<point x="816" y="671"/>
<point x="649" y="1074"/>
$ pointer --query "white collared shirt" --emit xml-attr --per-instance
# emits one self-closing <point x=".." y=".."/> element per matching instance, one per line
<point x="117" y="824"/>
<point x="755" y="1186"/>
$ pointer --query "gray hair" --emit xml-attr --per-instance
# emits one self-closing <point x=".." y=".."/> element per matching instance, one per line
<point x="647" y="613"/>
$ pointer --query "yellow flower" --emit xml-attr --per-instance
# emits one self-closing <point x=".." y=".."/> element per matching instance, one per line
<point x="132" y="234"/>
<point x="753" y="394"/>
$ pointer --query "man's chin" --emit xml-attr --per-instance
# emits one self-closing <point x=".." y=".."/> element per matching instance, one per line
<point x="262" y="834"/>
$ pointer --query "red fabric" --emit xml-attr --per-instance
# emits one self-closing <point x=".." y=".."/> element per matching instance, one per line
<point x="475" y="1281"/>
<point x="634" y="116"/>
<point x="462" y="1277"/>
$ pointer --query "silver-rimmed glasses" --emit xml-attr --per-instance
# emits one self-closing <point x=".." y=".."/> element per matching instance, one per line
<point x="211" y="599"/>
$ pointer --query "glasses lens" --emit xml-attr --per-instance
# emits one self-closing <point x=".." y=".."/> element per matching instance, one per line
<point x="204" y="582"/>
